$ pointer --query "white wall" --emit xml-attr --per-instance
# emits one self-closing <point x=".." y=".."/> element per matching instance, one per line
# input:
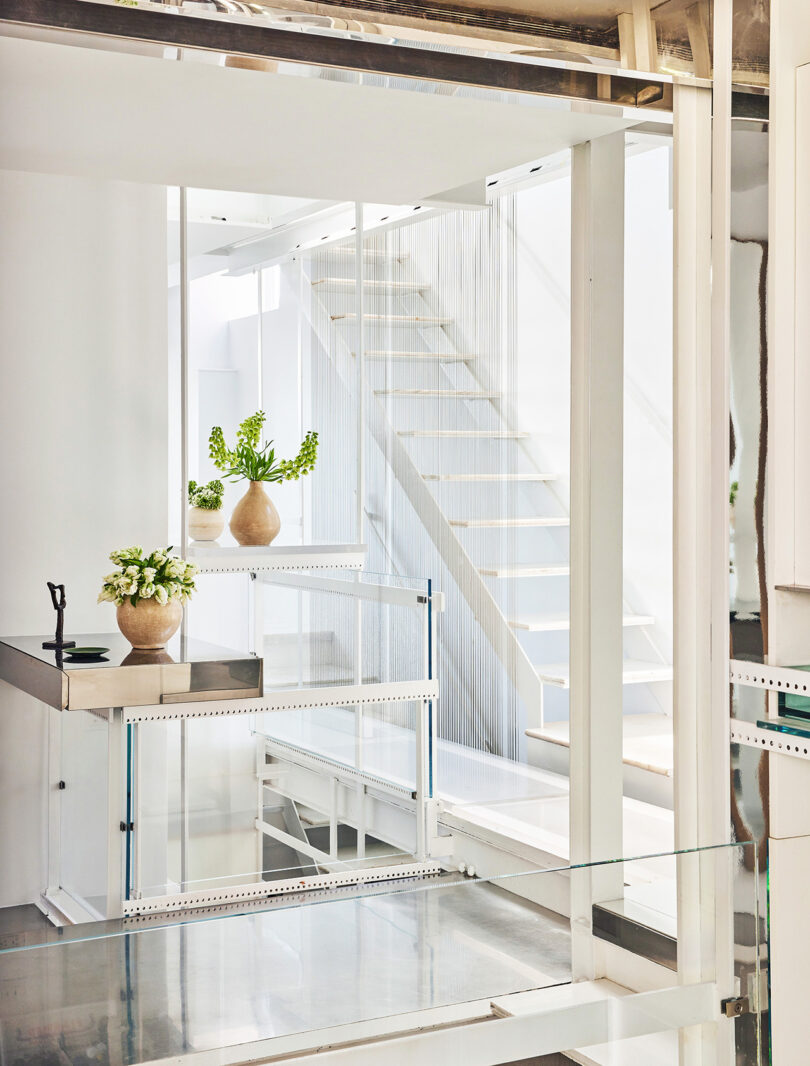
<point x="83" y="424"/>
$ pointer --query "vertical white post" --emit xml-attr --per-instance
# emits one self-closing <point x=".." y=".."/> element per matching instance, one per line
<point x="184" y="342"/>
<point x="597" y="393"/>
<point x="260" y="337"/>
<point x="701" y="191"/>
<point x="715" y="766"/>
<point x="360" y="337"/>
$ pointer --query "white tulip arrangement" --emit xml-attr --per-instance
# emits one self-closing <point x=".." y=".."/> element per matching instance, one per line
<point x="160" y="576"/>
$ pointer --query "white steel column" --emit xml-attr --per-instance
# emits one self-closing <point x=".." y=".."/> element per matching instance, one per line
<point x="184" y="343"/>
<point x="700" y="539"/>
<point x="597" y="388"/>
<point x="360" y="340"/>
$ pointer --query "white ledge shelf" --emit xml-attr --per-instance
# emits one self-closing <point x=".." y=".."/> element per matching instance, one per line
<point x="216" y="559"/>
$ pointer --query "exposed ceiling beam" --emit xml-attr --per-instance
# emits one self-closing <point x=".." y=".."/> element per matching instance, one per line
<point x="324" y="49"/>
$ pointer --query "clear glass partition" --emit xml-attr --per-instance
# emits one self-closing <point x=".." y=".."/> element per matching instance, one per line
<point x="287" y="977"/>
<point x="330" y="770"/>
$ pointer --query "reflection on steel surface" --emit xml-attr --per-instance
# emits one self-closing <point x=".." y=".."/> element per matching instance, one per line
<point x="196" y="670"/>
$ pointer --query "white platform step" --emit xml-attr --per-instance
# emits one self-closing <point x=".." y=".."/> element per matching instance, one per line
<point x="634" y="672"/>
<point x="560" y="623"/>
<point x="416" y="357"/>
<point x="441" y="394"/>
<point x="510" y="523"/>
<point x="468" y="434"/>
<point x="490" y="477"/>
<point x="398" y="321"/>
<point x="526" y="570"/>
<point x="369" y="285"/>
<point x="647" y="740"/>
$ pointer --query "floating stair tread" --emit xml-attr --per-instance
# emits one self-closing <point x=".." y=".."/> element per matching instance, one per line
<point x="368" y="253"/>
<point x="471" y="434"/>
<point x="435" y="357"/>
<point x="510" y="523"/>
<point x="489" y="477"/>
<point x="647" y="741"/>
<point x="369" y="285"/>
<point x="442" y="394"/>
<point x="407" y="321"/>
<point x="634" y="672"/>
<point x="527" y="570"/>
<point x="553" y="623"/>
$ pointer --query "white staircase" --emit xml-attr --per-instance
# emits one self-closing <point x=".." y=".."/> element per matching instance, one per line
<point x="489" y="510"/>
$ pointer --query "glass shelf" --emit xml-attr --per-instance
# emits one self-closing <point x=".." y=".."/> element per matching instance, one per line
<point x="794" y="727"/>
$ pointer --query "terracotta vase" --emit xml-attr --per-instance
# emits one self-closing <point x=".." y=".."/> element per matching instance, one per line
<point x="255" y="520"/>
<point x="148" y="624"/>
<point x="204" y="524"/>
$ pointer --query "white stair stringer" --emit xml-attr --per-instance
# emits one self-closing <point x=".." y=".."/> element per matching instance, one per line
<point x="471" y="583"/>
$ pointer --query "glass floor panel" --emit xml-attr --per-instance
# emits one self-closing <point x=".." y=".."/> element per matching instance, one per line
<point x="187" y="988"/>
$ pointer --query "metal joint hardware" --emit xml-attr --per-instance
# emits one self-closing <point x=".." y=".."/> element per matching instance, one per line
<point x="735" y="1006"/>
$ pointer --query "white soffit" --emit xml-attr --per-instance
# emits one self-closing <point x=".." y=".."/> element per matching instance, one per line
<point x="108" y="115"/>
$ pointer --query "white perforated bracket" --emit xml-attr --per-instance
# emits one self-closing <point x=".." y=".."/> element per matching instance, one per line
<point x="290" y="700"/>
<point x="778" y="678"/>
<point x="284" y="887"/>
<point x="768" y="740"/>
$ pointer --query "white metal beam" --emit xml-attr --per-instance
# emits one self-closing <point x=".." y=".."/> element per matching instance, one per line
<point x="597" y="391"/>
<point x="582" y="1019"/>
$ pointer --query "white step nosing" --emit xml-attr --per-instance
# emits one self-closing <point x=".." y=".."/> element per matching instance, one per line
<point x="652" y="762"/>
<point x="561" y="623"/>
<point x="368" y="253"/>
<point x="489" y="477"/>
<point x="507" y="523"/>
<point x="407" y="321"/>
<point x="434" y="357"/>
<point x="526" y="570"/>
<point x="370" y="285"/>
<point x="469" y="434"/>
<point x="443" y="394"/>
<point x="634" y="672"/>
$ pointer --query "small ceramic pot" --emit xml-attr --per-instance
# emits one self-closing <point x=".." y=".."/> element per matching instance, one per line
<point x="204" y="524"/>
<point x="149" y="624"/>
<point x="255" y="520"/>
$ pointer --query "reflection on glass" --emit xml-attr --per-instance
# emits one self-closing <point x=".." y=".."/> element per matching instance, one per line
<point x="748" y="605"/>
<point x="177" y="986"/>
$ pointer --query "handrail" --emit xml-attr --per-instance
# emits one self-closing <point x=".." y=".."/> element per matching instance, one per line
<point x="363" y="590"/>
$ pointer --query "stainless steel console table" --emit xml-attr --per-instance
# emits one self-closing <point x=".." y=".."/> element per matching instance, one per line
<point x="93" y="759"/>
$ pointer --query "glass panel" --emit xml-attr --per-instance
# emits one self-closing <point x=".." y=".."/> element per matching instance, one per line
<point x="86" y="741"/>
<point x="469" y="949"/>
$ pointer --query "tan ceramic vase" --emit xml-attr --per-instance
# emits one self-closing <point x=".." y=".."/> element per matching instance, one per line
<point x="204" y="524"/>
<point x="255" y="520"/>
<point x="148" y="624"/>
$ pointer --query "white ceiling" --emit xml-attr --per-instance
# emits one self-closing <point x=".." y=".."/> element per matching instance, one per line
<point x="117" y="116"/>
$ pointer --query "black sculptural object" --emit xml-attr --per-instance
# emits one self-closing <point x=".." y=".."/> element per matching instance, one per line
<point x="59" y="606"/>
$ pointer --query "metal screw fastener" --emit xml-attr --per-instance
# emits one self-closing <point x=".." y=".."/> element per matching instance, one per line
<point x="735" y="1006"/>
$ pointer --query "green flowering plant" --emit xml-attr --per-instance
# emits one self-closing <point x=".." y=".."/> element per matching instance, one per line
<point x="160" y="576"/>
<point x="256" y="462"/>
<point x="207" y="497"/>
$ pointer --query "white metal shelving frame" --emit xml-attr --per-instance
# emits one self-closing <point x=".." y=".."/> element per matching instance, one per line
<point x="279" y="563"/>
<point x="770" y="734"/>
